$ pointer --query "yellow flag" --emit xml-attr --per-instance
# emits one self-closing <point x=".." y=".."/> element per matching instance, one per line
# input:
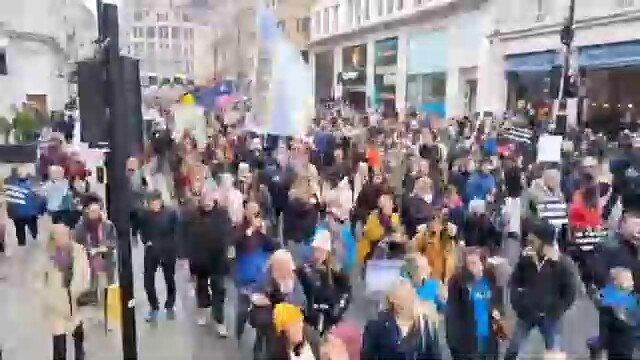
<point x="188" y="99"/>
<point x="114" y="309"/>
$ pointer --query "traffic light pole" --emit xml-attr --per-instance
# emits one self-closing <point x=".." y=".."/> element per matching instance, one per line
<point x="118" y="184"/>
<point x="566" y="37"/>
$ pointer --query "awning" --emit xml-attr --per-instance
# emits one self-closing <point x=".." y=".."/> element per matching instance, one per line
<point x="540" y="61"/>
<point x="610" y="55"/>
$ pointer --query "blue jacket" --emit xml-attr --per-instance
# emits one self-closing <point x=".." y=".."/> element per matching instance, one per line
<point x="347" y="249"/>
<point x="429" y="291"/>
<point x="55" y="193"/>
<point x="22" y="201"/>
<point x="490" y="146"/>
<point x="479" y="186"/>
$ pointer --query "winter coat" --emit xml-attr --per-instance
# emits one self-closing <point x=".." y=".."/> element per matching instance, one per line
<point x="372" y="234"/>
<point x="460" y="314"/>
<point x="382" y="340"/>
<point x="479" y="186"/>
<point x="22" y="201"/>
<point x="581" y="217"/>
<point x="208" y="236"/>
<point x="613" y="253"/>
<point x="418" y="212"/>
<point x="55" y="192"/>
<point x="440" y="249"/>
<point x="300" y="220"/>
<point x="480" y="231"/>
<point x="158" y="232"/>
<point x="324" y="287"/>
<point x="108" y="236"/>
<point x="544" y="293"/>
<point x="60" y="303"/>
<point x="252" y="255"/>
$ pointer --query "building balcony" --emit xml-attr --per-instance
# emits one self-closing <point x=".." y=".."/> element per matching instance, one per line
<point x="341" y="17"/>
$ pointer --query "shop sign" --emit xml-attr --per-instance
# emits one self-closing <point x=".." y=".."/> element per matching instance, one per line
<point x="355" y="77"/>
<point x="387" y="51"/>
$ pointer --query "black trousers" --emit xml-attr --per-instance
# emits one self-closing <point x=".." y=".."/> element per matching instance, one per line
<point x="152" y="260"/>
<point x="206" y="281"/>
<point x="21" y="224"/>
<point x="60" y="344"/>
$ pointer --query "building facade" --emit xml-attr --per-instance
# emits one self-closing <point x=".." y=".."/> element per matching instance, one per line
<point x="605" y="57"/>
<point x="235" y="37"/>
<point x="162" y="34"/>
<point x="456" y="57"/>
<point x="400" y="55"/>
<point x="39" y="45"/>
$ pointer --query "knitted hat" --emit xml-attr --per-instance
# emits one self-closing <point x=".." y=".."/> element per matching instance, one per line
<point x="285" y="316"/>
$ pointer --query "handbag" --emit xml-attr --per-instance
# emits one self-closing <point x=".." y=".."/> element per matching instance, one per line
<point x="502" y="328"/>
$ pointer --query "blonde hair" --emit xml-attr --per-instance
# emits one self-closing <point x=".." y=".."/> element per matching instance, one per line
<point x="281" y="255"/>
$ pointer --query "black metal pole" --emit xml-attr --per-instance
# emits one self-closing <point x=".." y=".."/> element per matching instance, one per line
<point x="567" y="40"/>
<point x="117" y="179"/>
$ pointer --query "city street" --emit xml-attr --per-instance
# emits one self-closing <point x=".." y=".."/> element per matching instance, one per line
<point x="23" y="332"/>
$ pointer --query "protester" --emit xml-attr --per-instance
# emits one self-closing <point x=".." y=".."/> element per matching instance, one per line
<point x="208" y="233"/>
<point x="98" y="236"/>
<point x="474" y="308"/>
<point x="65" y="280"/>
<point x="23" y="206"/>
<point x="293" y="340"/>
<point x="253" y="248"/>
<point x="406" y="330"/>
<point x="326" y="287"/>
<point x="158" y="231"/>
<point x="58" y="197"/>
<point x="542" y="289"/>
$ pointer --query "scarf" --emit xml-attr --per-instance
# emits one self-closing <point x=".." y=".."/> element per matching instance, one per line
<point x="94" y="231"/>
<point x="63" y="261"/>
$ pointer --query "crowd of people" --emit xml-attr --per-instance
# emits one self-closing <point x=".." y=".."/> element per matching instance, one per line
<point x="300" y="224"/>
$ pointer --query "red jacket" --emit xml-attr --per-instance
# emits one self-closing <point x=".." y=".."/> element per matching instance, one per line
<point x="581" y="217"/>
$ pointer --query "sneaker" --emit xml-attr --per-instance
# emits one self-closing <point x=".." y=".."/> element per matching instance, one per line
<point x="222" y="330"/>
<point x="152" y="316"/>
<point x="171" y="314"/>
<point x="202" y="317"/>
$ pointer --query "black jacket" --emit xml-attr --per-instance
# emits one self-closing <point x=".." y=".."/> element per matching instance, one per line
<point x="460" y="317"/>
<point x="545" y="293"/>
<point x="300" y="220"/>
<point x="158" y="231"/>
<point x="324" y="288"/>
<point x="416" y="211"/>
<point x="382" y="341"/>
<point x="208" y="236"/>
<point x="480" y="231"/>
<point x="615" y="253"/>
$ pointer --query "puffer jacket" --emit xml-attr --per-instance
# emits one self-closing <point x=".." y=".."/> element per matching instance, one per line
<point x="440" y="249"/>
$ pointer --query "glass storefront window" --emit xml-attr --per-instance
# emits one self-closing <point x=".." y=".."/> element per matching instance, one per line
<point x="531" y="90"/>
<point x="427" y="91"/>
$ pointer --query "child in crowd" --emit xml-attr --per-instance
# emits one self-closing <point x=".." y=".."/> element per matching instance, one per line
<point x="619" y="309"/>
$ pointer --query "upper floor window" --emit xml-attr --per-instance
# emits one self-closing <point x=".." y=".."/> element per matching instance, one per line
<point x="151" y="32"/>
<point x="138" y="49"/>
<point x="316" y="22"/>
<point x="164" y="32"/>
<point x="302" y="25"/>
<point x="282" y="25"/>
<point x="175" y="32"/>
<point x="186" y="17"/>
<point x="625" y="3"/>
<point x="389" y="7"/>
<point x="3" y="62"/>
<point x="137" y="15"/>
<point x="366" y="11"/>
<point x="138" y="32"/>
<point x="325" y="21"/>
<point x="400" y="4"/>
<point x="335" y="22"/>
<point x="380" y="8"/>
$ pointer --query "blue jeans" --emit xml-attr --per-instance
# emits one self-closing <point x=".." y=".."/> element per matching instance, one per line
<point x="550" y="330"/>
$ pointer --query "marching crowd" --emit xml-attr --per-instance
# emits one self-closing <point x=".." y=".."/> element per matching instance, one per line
<point x="473" y="224"/>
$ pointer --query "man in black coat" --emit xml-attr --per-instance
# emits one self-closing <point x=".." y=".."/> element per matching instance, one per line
<point x="542" y="287"/>
<point x="158" y="233"/>
<point x="208" y="233"/>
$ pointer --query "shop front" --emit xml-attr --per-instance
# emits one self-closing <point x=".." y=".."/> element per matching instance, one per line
<point x="532" y="83"/>
<point x="611" y="78"/>
<point x="353" y="77"/>
<point x="386" y="68"/>
<point x="427" y="73"/>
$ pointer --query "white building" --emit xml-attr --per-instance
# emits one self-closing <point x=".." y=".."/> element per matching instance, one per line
<point x="473" y="55"/>
<point x="161" y="34"/>
<point x="39" y="44"/>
